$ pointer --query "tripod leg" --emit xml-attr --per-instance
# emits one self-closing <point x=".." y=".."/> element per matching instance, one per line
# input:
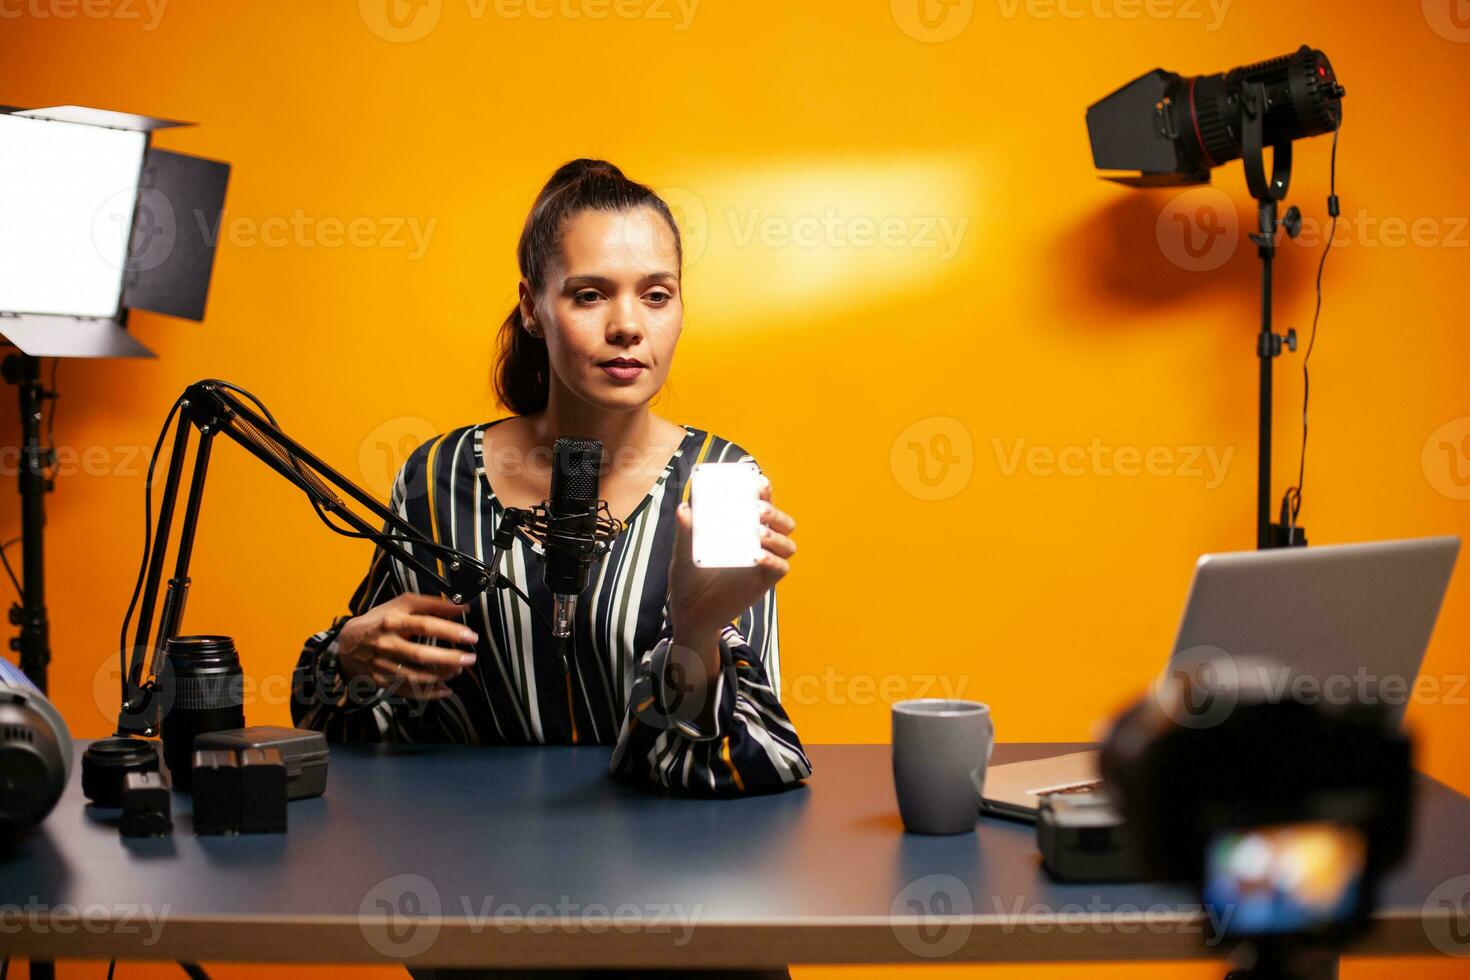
<point x="1321" y="968"/>
<point x="1277" y="963"/>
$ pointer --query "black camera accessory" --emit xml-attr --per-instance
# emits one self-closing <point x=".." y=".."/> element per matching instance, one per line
<point x="303" y="751"/>
<point x="146" y="806"/>
<point x="109" y="761"/>
<point x="262" y="792"/>
<point x="1081" y="838"/>
<point x="216" y="792"/>
<point x="205" y="693"/>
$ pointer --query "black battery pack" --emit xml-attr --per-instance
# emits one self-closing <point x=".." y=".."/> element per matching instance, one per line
<point x="303" y="751"/>
<point x="216" y="786"/>
<point x="262" y="792"/>
<point x="146" y="806"/>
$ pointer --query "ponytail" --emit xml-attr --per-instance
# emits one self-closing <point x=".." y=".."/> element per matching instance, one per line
<point x="522" y="367"/>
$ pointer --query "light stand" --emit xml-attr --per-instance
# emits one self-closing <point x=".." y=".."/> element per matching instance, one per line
<point x="1268" y="342"/>
<point x="29" y="613"/>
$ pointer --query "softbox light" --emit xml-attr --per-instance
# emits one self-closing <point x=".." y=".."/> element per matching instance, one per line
<point x="97" y="222"/>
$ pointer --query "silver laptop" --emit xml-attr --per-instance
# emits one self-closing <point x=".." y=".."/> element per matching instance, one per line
<point x="1355" y="618"/>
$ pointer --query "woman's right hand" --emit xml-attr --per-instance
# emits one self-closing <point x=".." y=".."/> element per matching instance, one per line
<point x="382" y="644"/>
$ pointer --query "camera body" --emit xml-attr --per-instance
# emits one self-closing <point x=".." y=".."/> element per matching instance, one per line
<point x="1283" y="813"/>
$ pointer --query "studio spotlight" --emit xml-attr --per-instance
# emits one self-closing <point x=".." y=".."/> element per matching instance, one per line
<point x="1174" y="129"/>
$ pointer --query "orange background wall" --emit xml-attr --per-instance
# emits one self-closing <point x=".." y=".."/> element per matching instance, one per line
<point x="1013" y="297"/>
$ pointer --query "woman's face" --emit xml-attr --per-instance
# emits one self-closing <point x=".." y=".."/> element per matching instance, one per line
<point x="611" y="309"/>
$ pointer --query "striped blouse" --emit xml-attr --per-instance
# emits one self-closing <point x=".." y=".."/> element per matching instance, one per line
<point x="617" y="690"/>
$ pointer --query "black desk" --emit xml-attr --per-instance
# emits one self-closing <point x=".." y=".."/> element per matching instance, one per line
<point x="494" y="856"/>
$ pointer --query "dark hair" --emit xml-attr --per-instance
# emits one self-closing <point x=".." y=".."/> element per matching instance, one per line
<point x="522" y="368"/>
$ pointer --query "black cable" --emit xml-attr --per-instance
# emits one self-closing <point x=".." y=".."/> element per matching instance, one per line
<point x="20" y="593"/>
<point x="110" y="968"/>
<point x="282" y="450"/>
<point x="1334" y="208"/>
<point x="314" y="487"/>
<point x="194" y="970"/>
<point x="122" y="645"/>
<point x="378" y="537"/>
<point x="305" y="484"/>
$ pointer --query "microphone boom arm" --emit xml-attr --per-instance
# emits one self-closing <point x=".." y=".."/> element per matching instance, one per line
<point x="213" y="408"/>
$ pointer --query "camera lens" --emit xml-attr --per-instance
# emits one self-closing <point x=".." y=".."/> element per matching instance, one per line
<point x="206" y="693"/>
<point x="106" y="764"/>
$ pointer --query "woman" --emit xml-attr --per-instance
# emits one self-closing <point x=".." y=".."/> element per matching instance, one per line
<point x="674" y="666"/>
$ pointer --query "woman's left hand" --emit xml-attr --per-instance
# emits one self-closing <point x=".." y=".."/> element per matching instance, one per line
<point x="703" y="600"/>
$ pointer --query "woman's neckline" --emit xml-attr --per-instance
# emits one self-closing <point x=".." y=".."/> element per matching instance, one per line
<point x="689" y="434"/>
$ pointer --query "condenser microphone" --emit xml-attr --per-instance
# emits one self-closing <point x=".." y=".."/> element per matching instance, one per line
<point x="571" y="526"/>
